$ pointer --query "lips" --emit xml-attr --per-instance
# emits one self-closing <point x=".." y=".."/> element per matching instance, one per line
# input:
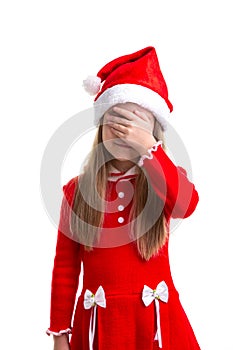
<point x="124" y="145"/>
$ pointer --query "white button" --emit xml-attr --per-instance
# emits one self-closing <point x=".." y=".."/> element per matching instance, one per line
<point x="120" y="219"/>
<point x="121" y="207"/>
<point x="121" y="194"/>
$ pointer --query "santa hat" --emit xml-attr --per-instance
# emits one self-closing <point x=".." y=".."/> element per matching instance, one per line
<point x="136" y="78"/>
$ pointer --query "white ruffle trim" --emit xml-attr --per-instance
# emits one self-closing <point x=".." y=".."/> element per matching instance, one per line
<point x="58" y="334"/>
<point x="149" y="156"/>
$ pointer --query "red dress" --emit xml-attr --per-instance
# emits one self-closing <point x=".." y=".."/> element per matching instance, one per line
<point x="126" y="322"/>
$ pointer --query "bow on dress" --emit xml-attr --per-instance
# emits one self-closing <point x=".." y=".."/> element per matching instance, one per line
<point x="92" y="301"/>
<point x="159" y="294"/>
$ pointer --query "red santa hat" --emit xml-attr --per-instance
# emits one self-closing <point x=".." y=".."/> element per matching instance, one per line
<point x="136" y="78"/>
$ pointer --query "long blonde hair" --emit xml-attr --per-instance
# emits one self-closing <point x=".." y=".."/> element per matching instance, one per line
<point x="87" y="214"/>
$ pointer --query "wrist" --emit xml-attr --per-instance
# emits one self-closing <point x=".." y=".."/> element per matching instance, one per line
<point x="148" y="153"/>
<point x="147" y="145"/>
<point x="62" y="338"/>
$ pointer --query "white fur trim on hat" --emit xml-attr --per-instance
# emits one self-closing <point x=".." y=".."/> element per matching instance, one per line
<point x="134" y="93"/>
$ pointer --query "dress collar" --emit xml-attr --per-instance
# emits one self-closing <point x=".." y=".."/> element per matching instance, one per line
<point x="115" y="174"/>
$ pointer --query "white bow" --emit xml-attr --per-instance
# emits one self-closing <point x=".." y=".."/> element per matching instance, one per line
<point x="160" y="293"/>
<point x="91" y="301"/>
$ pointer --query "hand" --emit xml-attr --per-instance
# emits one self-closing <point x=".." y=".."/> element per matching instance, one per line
<point x="61" y="342"/>
<point x="135" y="128"/>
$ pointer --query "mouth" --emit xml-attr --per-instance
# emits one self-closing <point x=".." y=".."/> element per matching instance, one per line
<point x="120" y="144"/>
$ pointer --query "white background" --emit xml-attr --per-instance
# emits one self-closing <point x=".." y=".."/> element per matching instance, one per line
<point x="47" y="49"/>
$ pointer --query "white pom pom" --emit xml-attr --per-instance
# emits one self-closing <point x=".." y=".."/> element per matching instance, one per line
<point x="92" y="85"/>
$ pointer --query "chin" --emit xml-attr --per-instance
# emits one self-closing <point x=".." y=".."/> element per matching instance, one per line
<point x="123" y="159"/>
<point x="123" y="155"/>
<point x="133" y="159"/>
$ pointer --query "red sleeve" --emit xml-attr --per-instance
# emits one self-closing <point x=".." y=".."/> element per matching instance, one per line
<point x="171" y="184"/>
<point x="66" y="270"/>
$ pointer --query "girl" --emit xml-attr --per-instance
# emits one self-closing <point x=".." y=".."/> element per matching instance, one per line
<point x="115" y="220"/>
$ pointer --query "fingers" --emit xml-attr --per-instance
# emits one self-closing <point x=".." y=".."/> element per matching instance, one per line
<point x="118" y="120"/>
<point x="119" y="129"/>
<point x="141" y="115"/>
<point x="126" y="117"/>
<point x="117" y="132"/>
<point x="132" y="116"/>
<point x="128" y="124"/>
<point x="124" y="112"/>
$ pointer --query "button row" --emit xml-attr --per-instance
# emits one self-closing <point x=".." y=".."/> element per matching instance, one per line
<point x="121" y="208"/>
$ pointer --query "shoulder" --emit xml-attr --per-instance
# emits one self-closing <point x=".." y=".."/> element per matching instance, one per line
<point x="69" y="188"/>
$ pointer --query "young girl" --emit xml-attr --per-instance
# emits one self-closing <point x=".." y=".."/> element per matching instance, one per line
<point x="115" y="220"/>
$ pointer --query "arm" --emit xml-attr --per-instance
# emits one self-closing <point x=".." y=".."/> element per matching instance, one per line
<point x="169" y="181"/>
<point x="61" y="342"/>
<point x="171" y="184"/>
<point x="66" y="270"/>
